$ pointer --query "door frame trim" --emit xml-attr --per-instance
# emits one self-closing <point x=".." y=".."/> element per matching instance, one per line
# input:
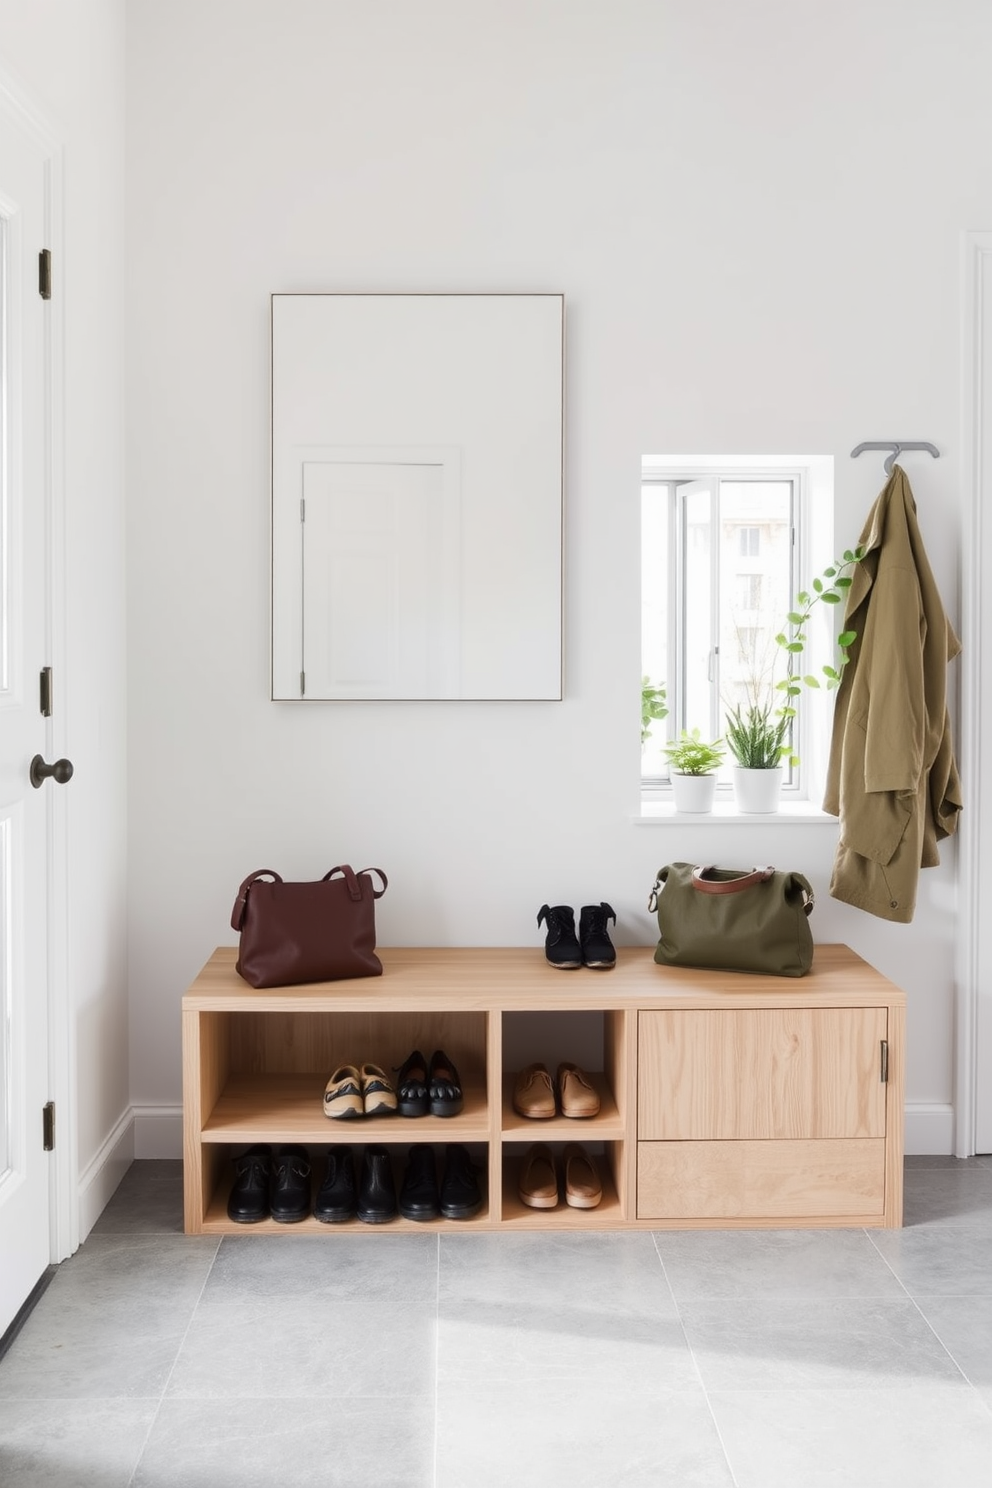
<point x="973" y="1033"/>
<point x="63" y="1196"/>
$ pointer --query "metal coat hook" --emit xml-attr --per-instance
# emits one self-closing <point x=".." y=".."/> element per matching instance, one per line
<point x="896" y="446"/>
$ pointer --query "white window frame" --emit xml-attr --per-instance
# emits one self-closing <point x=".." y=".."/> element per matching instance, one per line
<point x="813" y="542"/>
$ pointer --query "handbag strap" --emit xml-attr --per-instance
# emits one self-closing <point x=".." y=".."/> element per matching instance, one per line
<point x="351" y="879"/>
<point x="241" y="903"/>
<point x="728" y="885"/>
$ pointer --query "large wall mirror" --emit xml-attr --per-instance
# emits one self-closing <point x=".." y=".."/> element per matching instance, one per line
<point x="417" y="496"/>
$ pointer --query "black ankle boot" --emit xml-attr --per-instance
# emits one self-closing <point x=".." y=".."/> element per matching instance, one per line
<point x="419" y="1193"/>
<point x="561" y="946"/>
<point x="377" y="1190"/>
<point x="594" y="938"/>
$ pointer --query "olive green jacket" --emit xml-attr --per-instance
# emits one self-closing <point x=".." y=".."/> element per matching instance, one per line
<point x="892" y="778"/>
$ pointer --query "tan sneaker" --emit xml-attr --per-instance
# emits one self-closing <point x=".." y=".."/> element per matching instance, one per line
<point x="533" y="1093"/>
<point x="378" y="1094"/>
<point x="343" y="1094"/>
<point x="583" y="1189"/>
<point x="576" y="1092"/>
<point x="538" y="1181"/>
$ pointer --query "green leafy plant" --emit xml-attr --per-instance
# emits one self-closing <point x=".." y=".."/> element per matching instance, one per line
<point x="654" y="706"/>
<point x="757" y="737"/>
<point x="829" y="588"/>
<point x="689" y="755"/>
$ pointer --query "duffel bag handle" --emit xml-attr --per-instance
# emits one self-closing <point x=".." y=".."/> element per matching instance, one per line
<point x="728" y="885"/>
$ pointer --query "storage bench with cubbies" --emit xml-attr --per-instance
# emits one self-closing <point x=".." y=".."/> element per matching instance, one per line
<point x="726" y="1100"/>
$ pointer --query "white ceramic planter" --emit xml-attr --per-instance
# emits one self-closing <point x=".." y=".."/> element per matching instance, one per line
<point x="757" y="791"/>
<point x="693" y="793"/>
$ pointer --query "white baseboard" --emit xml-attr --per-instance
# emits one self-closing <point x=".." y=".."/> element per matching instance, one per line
<point x="158" y="1131"/>
<point x="100" y="1177"/>
<point x="929" y="1129"/>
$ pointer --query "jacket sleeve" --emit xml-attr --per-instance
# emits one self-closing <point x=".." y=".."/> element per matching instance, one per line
<point x="895" y="718"/>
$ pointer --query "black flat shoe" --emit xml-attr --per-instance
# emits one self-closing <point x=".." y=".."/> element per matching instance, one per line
<point x="376" y="1191"/>
<point x="337" y="1196"/>
<point x="249" y="1198"/>
<point x="444" y="1086"/>
<point x="419" y="1193"/>
<point x="411" y="1086"/>
<point x="461" y="1196"/>
<point x="289" y="1185"/>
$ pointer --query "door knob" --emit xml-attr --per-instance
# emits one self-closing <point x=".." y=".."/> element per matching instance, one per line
<point x="61" y="771"/>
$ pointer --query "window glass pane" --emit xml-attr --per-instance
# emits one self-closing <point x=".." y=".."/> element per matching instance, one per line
<point x="655" y="514"/>
<point x="697" y="650"/>
<point x="755" y="561"/>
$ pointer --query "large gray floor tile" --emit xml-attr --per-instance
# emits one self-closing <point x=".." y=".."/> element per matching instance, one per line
<point x="959" y="1195"/>
<point x="121" y="1273"/>
<point x="111" y="1321"/>
<point x="491" y="1342"/>
<point x="933" y="1260"/>
<point x="964" y="1327"/>
<point x="616" y="1270"/>
<point x="783" y="1264"/>
<point x="290" y="1444"/>
<point x="149" y="1200"/>
<point x="325" y="1349"/>
<point x="571" y="1434"/>
<point x="836" y="1344"/>
<point x="913" y="1437"/>
<point x="91" y="1444"/>
<point x="397" y="1269"/>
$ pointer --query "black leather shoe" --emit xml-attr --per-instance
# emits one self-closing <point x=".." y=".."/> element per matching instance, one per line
<point x="594" y="938"/>
<point x="444" y="1086"/>
<point x="561" y="945"/>
<point x="376" y="1191"/>
<point x="289" y="1185"/>
<point x="411" y="1086"/>
<point x="249" y="1198"/>
<point x="460" y="1193"/>
<point x="336" y="1197"/>
<point x="418" y="1194"/>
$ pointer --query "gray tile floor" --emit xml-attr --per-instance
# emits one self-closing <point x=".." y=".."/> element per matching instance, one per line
<point x="761" y="1359"/>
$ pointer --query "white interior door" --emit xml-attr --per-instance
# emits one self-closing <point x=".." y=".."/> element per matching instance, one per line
<point x="25" y="1245"/>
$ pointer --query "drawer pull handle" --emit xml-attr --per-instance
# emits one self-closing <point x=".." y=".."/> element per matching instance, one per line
<point x="883" y="1072"/>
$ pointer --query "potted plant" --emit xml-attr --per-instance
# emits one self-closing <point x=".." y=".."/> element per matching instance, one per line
<point x="760" y="737"/>
<point x="693" y="766"/>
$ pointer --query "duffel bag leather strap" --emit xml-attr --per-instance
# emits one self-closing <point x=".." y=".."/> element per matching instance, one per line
<point x="728" y="885"/>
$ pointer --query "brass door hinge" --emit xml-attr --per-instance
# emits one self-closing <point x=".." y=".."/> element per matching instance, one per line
<point x="48" y="1126"/>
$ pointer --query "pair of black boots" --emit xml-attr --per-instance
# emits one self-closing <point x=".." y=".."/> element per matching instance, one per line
<point x="270" y="1185"/>
<point x="591" y="947"/>
<point x="374" y="1199"/>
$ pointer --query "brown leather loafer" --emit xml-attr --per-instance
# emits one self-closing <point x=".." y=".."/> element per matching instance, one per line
<point x="538" y="1182"/>
<point x="583" y="1189"/>
<point x="575" y="1089"/>
<point x="533" y="1093"/>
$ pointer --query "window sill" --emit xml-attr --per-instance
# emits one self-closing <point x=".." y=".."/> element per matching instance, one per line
<point x="725" y="813"/>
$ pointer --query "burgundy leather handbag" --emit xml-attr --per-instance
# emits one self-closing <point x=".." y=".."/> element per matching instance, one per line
<point x="292" y="933"/>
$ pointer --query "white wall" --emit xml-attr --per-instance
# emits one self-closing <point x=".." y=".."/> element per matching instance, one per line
<point x="69" y="58"/>
<point x="754" y="213"/>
